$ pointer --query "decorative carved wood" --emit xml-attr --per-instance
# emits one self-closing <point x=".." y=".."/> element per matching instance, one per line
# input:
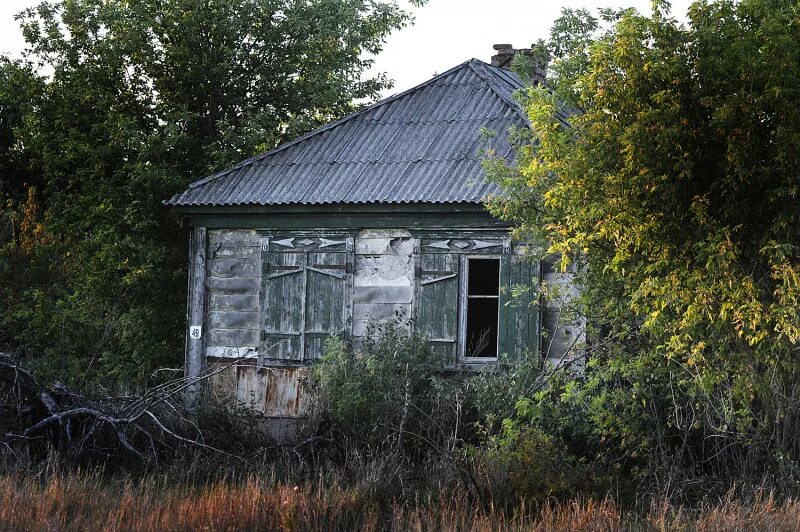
<point x="462" y="245"/>
<point x="303" y="243"/>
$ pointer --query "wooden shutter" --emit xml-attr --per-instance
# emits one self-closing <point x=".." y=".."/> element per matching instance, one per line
<point x="437" y="302"/>
<point x="284" y="290"/>
<point x="519" y="316"/>
<point x="305" y="296"/>
<point x="326" y="299"/>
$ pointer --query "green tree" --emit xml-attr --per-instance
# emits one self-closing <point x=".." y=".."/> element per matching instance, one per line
<point x="676" y="187"/>
<point x="140" y="98"/>
<point x="18" y="84"/>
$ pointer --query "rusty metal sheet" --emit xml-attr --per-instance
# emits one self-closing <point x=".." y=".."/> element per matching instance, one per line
<point x="279" y="392"/>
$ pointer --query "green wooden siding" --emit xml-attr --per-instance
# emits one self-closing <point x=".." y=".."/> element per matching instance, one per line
<point x="438" y="301"/>
<point x="326" y="285"/>
<point x="283" y="308"/>
<point x="519" y="316"/>
<point x="307" y="293"/>
<point x="305" y="299"/>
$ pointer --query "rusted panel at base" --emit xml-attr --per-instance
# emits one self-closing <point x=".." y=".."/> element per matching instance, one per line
<point x="279" y="392"/>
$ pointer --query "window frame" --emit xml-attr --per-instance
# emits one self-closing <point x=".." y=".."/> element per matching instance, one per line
<point x="463" y="299"/>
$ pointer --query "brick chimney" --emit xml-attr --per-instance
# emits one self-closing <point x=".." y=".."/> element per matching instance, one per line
<point x="505" y="54"/>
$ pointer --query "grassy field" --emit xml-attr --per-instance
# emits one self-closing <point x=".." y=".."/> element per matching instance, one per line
<point x="93" y="502"/>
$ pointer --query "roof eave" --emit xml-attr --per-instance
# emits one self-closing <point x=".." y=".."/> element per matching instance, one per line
<point x="303" y="208"/>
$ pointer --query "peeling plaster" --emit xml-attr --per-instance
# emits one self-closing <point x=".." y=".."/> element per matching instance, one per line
<point x="385" y="273"/>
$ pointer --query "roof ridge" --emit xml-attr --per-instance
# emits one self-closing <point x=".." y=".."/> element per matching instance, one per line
<point x="359" y="161"/>
<point x="512" y="77"/>
<point x="510" y="101"/>
<point x="437" y="121"/>
<point x="329" y="126"/>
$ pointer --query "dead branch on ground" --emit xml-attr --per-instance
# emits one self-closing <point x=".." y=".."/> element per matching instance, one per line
<point x="36" y="418"/>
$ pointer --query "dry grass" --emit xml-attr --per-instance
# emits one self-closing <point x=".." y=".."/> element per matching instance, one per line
<point x="93" y="502"/>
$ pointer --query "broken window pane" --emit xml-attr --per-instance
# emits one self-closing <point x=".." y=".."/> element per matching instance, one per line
<point x="483" y="286"/>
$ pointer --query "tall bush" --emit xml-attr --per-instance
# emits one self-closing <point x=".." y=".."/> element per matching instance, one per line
<point x="387" y="392"/>
<point x="675" y="184"/>
<point x="141" y="98"/>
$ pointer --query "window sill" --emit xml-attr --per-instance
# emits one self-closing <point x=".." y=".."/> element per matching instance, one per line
<point x="477" y="366"/>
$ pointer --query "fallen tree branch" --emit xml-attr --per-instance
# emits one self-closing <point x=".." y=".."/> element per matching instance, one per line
<point x="56" y="417"/>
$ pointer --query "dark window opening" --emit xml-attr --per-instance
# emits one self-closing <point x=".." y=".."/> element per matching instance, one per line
<point x="484" y="277"/>
<point x="483" y="289"/>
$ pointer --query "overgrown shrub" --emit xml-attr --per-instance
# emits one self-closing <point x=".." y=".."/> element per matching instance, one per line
<point x="389" y="391"/>
<point x="675" y="187"/>
<point x="392" y="401"/>
<point x="493" y="393"/>
<point x="535" y="446"/>
<point x="523" y="461"/>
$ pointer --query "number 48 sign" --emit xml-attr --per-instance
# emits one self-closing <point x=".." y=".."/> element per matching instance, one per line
<point x="195" y="332"/>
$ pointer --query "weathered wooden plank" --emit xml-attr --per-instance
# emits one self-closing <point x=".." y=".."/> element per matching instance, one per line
<point x="438" y="302"/>
<point x="233" y="337"/>
<point x="315" y="346"/>
<point x="234" y="285"/>
<point x="519" y="308"/>
<point x="445" y="350"/>
<point x="222" y="385"/>
<point x="227" y="251"/>
<point x="283" y="221"/>
<point x="559" y="332"/>
<point x="235" y="302"/>
<point x="325" y="312"/>
<point x="527" y="309"/>
<point x="195" y="361"/>
<point x="294" y="242"/>
<point x="244" y="352"/>
<point x="560" y="338"/>
<point x="462" y="232"/>
<point x="510" y="321"/>
<point x="283" y="305"/>
<point x="234" y="267"/>
<point x="467" y="244"/>
<point x="348" y="290"/>
<point x="233" y="237"/>
<point x="361" y="327"/>
<point x="233" y="320"/>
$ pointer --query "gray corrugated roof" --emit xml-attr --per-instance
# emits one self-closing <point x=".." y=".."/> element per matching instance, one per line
<point x="422" y="145"/>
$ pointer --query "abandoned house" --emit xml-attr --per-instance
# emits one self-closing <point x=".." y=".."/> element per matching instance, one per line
<point x="374" y="217"/>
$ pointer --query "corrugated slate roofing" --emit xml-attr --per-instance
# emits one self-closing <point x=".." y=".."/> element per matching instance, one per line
<point x="420" y="146"/>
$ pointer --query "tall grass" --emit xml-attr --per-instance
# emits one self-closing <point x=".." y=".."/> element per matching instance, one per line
<point x="93" y="501"/>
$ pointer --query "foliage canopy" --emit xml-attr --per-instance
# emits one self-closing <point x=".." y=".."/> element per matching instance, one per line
<point x="140" y="98"/>
<point x="676" y="187"/>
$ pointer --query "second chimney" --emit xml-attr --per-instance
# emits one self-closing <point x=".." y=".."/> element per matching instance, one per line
<point x="505" y="54"/>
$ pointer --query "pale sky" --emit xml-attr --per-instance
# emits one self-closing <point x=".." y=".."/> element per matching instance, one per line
<point x="446" y="32"/>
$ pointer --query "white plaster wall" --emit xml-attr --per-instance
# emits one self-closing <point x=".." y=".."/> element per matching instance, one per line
<point x="383" y="280"/>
